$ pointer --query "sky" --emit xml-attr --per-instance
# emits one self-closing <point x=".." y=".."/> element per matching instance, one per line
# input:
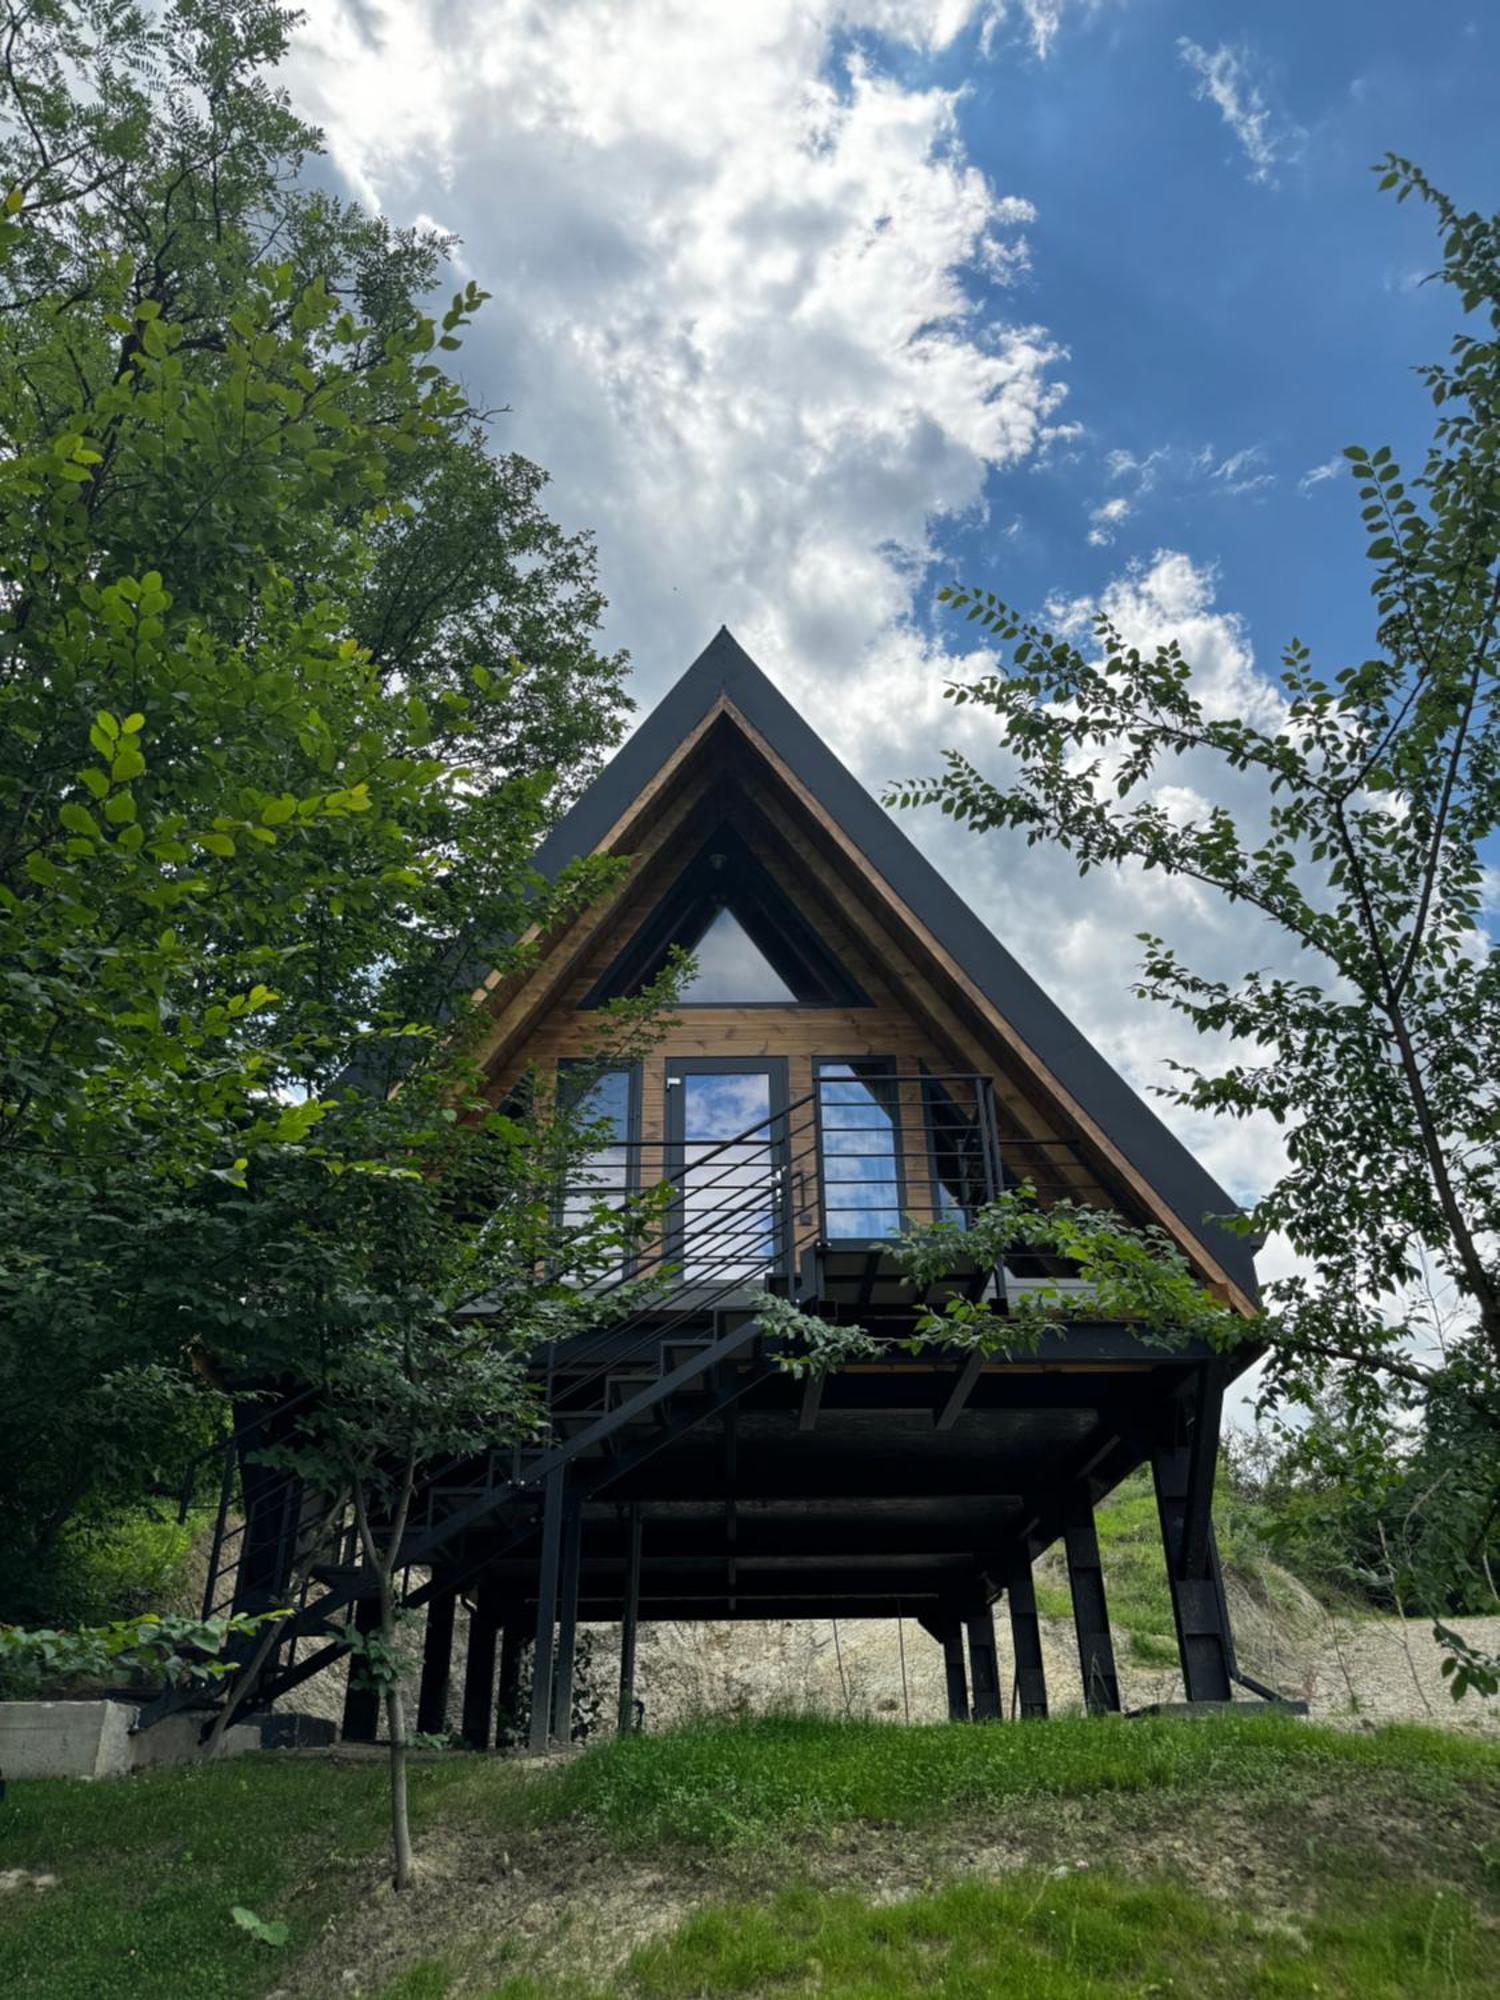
<point x="810" y="306"/>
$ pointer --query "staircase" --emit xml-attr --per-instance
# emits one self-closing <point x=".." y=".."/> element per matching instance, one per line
<point x="613" y="1397"/>
<point x="748" y="1213"/>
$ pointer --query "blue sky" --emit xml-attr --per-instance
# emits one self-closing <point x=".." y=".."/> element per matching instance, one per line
<point x="807" y="305"/>
<point x="1213" y="299"/>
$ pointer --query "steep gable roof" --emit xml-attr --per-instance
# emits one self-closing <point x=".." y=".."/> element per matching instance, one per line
<point x="725" y="679"/>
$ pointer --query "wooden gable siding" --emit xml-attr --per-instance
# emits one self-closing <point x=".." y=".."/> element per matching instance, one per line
<point x="924" y="1011"/>
<point x="543" y="1020"/>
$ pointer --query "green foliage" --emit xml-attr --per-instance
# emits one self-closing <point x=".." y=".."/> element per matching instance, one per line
<point x="149" y="1649"/>
<point x="273" y="1933"/>
<point x="288" y="665"/>
<point x="1376" y="795"/>
<point x="1118" y="1272"/>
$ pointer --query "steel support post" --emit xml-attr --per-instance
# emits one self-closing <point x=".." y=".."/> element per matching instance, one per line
<point x="949" y="1633"/>
<point x="567" y="1620"/>
<point x="629" y="1623"/>
<point x="1204" y="1641"/>
<point x="1096" y="1653"/>
<point x="437" y="1662"/>
<point x="546" y="1613"/>
<point x="362" y="1703"/>
<point x="479" y="1669"/>
<point x="514" y="1639"/>
<point x="984" y="1665"/>
<point x="1026" y="1640"/>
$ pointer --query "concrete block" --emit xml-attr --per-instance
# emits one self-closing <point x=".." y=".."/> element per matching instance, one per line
<point x="66" y="1739"/>
<point x="99" y="1739"/>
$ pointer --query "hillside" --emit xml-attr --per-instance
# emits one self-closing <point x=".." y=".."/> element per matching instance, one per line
<point x="1246" y="1856"/>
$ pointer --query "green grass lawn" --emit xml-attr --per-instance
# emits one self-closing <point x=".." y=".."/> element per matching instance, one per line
<point x="149" y="1869"/>
<point x="767" y="1841"/>
<point x="1037" y="1938"/>
<point x="719" y="1786"/>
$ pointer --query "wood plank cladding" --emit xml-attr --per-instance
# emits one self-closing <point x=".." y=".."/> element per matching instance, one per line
<point x="923" y="1012"/>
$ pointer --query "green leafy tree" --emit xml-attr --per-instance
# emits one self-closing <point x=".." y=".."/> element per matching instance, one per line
<point x="288" y="664"/>
<point x="1378" y="798"/>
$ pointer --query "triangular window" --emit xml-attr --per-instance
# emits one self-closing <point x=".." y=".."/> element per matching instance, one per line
<point x="753" y="948"/>
<point x="732" y="969"/>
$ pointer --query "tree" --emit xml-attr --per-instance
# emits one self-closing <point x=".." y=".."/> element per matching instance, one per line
<point x="288" y="660"/>
<point x="399" y="1312"/>
<point x="1379" y="791"/>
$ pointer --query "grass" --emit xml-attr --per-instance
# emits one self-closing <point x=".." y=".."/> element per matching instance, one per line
<point x="769" y="1836"/>
<point x="149" y="1869"/>
<point x="1035" y="1937"/>
<point x="746" y="1784"/>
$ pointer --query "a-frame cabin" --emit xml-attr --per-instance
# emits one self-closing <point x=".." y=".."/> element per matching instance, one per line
<point x="856" y="1049"/>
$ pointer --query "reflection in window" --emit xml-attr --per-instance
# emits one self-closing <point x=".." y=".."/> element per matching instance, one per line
<point x="957" y="1149"/>
<point x="732" y="969"/>
<point x="603" y="1175"/>
<point x="861" y="1181"/>
<point x="729" y="1143"/>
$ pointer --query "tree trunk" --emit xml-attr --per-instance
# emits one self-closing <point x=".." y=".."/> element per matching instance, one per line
<point x="395" y="1720"/>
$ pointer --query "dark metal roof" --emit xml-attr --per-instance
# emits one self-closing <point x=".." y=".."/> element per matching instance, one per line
<point x="725" y="668"/>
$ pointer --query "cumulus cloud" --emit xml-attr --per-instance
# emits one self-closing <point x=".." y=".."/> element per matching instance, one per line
<point x="733" y="272"/>
<point x="734" y="259"/>
<point x="1226" y="78"/>
<point x="1105" y="518"/>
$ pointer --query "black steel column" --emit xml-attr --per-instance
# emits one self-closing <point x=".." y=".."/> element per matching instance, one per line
<point x="952" y="1636"/>
<point x="567" y="1621"/>
<point x="984" y="1665"/>
<point x="1026" y="1639"/>
<point x="1096" y="1652"/>
<point x="546" y="1613"/>
<point x="479" y="1671"/>
<point x="509" y="1722"/>
<point x="361" y="1701"/>
<point x="1204" y="1642"/>
<point x="628" y="1624"/>
<point x="437" y="1662"/>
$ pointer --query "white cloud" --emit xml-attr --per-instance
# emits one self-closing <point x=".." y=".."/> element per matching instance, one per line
<point x="732" y="315"/>
<point x="1316" y="474"/>
<point x="1243" y="471"/>
<point x="1105" y="518"/>
<point x="732" y="307"/>
<point x="1226" y="79"/>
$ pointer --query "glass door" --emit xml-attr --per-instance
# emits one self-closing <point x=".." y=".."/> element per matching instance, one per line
<point x="725" y="1145"/>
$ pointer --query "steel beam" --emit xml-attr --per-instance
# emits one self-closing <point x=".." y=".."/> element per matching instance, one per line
<point x="509" y="1722"/>
<point x="1026" y="1640"/>
<point x="479" y="1669"/>
<point x="1096" y="1652"/>
<point x="437" y="1663"/>
<point x="546" y="1611"/>
<point x="567" y="1621"/>
<point x="1204" y="1641"/>
<point x="629" y="1624"/>
<point x="984" y="1665"/>
<point x="958" y="1395"/>
<point x="361" y="1702"/>
<point x="946" y="1627"/>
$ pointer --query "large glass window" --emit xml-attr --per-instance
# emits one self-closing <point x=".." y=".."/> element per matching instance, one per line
<point x="722" y="1121"/>
<point x="861" y="1171"/>
<point x="606" y="1100"/>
